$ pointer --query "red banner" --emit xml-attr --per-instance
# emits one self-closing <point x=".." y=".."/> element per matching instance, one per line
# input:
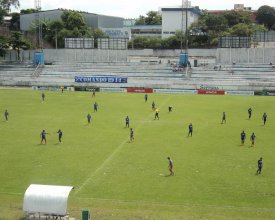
<point x="140" y="90"/>
<point x="211" y="92"/>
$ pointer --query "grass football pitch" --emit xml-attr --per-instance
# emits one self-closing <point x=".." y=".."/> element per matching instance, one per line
<point x="117" y="179"/>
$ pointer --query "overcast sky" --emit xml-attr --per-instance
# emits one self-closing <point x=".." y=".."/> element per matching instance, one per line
<point x="132" y="9"/>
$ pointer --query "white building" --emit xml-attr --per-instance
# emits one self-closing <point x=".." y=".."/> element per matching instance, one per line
<point x="174" y="19"/>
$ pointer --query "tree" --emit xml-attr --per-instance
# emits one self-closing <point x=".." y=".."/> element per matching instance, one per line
<point x="215" y="23"/>
<point x="151" y="18"/>
<point x="266" y="16"/>
<point x="15" y="22"/>
<point x="3" y="45"/>
<point x="140" y="20"/>
<point x="6" y="4"/>
<point x="17" y="42"/>
<point x="235" y="17"/>
<point x="72" y="19"/>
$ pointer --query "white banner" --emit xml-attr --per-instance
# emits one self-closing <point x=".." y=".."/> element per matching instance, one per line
<point x="112" y="90"/>
<point x="175" y="91"/>
<point x="239" y="93"/>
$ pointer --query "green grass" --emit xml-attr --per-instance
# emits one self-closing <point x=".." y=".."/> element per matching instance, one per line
<point x="115" y="179"/>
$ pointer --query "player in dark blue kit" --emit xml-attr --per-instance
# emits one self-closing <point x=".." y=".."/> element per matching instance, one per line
<point x="131" y="134"/>
<point x="43" y="96"/>
<point x="243" y="136"/>
<point x="223" y="118"/>
<point x="89" y="117"/>
<point x="6" y="114"/>
<point x="260" y="166"/>
<point x="252" y="138"/>
<point x="95" y="106"/>
<point x="170" y="166"/>
<point x="190" y="130"/>
<point x="43" y="137"/>
<point x="60" y="133"/>
<point x="145" y="97"/>
<point x="249" y="113"/>
<point x="264" y="118"/>
<point x="127" y="121"/>
<point x="153" y="106"/>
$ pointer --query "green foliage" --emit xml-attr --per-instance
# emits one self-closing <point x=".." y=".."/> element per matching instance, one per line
<point x="151" y="18"/>
<point x="72" y="20"/>
<point x="71" y="25"/>
<point x="3" y="45"/>
<point x="234" y="17"/>
<point x="15" y="22"/>
<point x="28" y="11"/>
<point x="215" y="23"/>
<point x="17" y="42"/>
<point x="6" y="4"/>
<point x="266" y="16"/>
<point x="114" y="179"/>
<point x="2" y="14"/>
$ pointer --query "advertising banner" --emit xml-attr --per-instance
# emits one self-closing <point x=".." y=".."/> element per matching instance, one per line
<point x="100" y="79"/>
<point x="211" y="92"/>
<point x="175" y="91"/>
<point x="140" y="90"/>
<point x="239" y="93"/>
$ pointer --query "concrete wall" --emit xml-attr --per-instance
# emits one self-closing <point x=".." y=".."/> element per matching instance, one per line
<point x="245" y="55"/>
<point x="221" y="55"/>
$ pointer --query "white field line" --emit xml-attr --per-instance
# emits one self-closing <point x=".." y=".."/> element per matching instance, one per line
<point x="111" y="156"/>
<point x="141" y="202"/>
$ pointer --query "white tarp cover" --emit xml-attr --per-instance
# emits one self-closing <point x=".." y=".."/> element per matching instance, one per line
<point x="46" y="199"/>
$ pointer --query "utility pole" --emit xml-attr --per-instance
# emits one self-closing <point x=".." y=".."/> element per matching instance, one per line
<point x="38" y="30"/>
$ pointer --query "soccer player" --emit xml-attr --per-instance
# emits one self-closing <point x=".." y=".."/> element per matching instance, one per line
<point x="43" y="137"/>
<point x="43" y="96"/>
<point x="169" y="108"/>
<point x="145" y="97"/>
<point x="93" y="93"/>
<point x="190" y="130"/>
<point x="243" y="136"/>
<point x="95" y="106"/>
<point x="131" y="134"/>
<point x="260" y="166"/>
<point x="170" y="166"/>
<point x="89" y="117"/>
<point x="157" y="114"/>
<point x="6" y="114"/>
<point x="264" y="118"/>
<point x="249" y="112"/>
<point x="153" y="106"/>
<point x="252" y="138"/>
<point x="127" y="121"/>
<point x="223" y="118"/>
<point x="60" y="133"/>
<point x="62" y="89"/>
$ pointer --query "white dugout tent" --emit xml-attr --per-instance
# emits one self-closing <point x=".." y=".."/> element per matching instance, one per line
<point x="46" y="200"/>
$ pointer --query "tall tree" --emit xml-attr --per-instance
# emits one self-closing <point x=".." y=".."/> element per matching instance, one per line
<point x="6" y="4"/>
<point x="3" y="45"/>
<point x="266" y="16"/>
<point x="17" y="42"/>
<point x="151" y="18"/>
<point x="235" y="17"/>
<point x="72" y="19"/>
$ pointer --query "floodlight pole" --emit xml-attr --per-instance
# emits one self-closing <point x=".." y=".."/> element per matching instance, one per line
<point x="181" y="37"/>
<point x="186" y="34"/>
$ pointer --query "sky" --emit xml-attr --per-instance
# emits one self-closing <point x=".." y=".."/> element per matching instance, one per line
<point x="135" y="8"/>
